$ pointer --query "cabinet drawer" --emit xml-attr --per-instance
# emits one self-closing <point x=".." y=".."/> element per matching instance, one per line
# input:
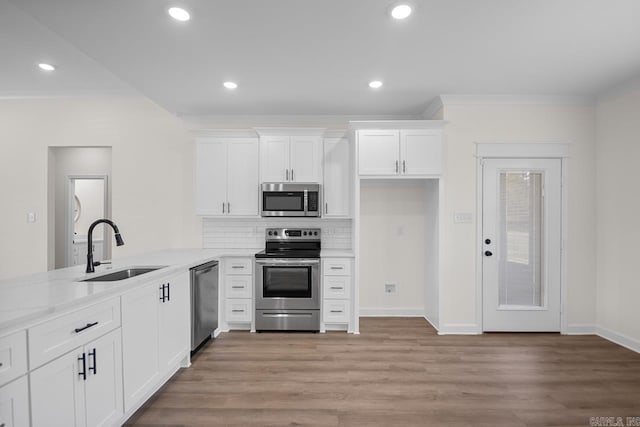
<point x="13" y="356"/>
<point x="238" y="286"/>
<point x="14" y="403"/>
<point x="238" y="310"/>
<point x="238" y="265"/>
<point x="337" y="267"/>
<point x="62" y="334"/>
<point x="335" y="311"/>
<point x="336" y="287"/>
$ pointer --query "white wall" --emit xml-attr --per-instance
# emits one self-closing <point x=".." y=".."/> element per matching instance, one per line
<point x="617" y="154"/>
<point x="152" y="173"/>
<point x="469" y="124"/>
<point x="392" y="247"/>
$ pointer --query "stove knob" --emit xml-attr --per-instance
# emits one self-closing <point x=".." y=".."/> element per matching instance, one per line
<point x="275" y="233"/>
<point x="304" y="233"/>
<point x="270" y="233"/>
<point x="315" y="233"/>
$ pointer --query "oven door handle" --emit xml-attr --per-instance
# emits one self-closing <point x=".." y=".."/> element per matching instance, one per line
<point x="288" y="261"/>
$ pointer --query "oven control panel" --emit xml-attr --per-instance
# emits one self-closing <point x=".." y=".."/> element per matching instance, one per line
<point x="292" y="234"/>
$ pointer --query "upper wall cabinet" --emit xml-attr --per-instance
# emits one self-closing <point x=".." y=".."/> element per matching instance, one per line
<point x="290" y="158"/>
<point x="407" y="152"/>
<point x="337" y="177"/>
<point x="227" y="176"/>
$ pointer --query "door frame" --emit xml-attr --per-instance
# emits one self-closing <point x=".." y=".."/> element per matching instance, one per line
<point x="542" y="150"/>
<point x="69" y="213"/>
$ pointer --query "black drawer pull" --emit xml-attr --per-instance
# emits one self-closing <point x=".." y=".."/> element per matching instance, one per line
<point x="93" y="368"/>
<point x="337" y="287"/>
<point x="77" y="330"/>
<point x="83" y="374"/>
<point x="237" y="287"/>
<point x="237" y="311"/>
<point x="336" y="311"/>
<point x="168" y="291"/>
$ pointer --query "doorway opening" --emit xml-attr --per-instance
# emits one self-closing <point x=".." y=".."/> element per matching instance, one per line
<point x="79" y="192"/>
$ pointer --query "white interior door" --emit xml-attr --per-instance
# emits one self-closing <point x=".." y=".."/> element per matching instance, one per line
<point x="521" y="244"/>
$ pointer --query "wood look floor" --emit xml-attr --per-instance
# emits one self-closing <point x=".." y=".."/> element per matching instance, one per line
<point x="398" y="372"/>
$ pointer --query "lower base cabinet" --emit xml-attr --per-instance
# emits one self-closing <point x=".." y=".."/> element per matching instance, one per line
<point x="14" y="403"/>
<point x="155" y="334"/>
<point x="82" y="387"/>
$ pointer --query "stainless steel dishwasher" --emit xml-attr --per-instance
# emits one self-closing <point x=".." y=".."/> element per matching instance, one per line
<point x="204" y="303"/>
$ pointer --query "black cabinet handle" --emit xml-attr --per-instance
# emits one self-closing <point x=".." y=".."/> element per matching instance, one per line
<point x="162" y="297"/>
<point x="83" y="374"/>
<point x="488" y="253"/>
<point x="168" y="291"/>
<point x="93" y="368"/>
<point x="87" y="326"/>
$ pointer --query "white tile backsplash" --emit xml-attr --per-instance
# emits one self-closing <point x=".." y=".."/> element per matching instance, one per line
<point x="226" y="233"/>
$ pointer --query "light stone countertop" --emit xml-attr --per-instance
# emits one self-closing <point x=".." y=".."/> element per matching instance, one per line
<point x="27" y="300"/>
<point x="31" y="299"/>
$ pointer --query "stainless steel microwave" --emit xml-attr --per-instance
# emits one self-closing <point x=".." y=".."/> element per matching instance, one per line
<point x="281" y="199"/>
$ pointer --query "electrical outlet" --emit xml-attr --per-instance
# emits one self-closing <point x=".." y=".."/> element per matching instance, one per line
<point x="390" y="288"/>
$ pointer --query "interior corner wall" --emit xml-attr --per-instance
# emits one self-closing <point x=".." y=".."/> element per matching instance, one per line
<point x="618" y="232"/>
<point x="392" y="247"/>
<point x="470" y="124"/>
<point x="152" y="174"/>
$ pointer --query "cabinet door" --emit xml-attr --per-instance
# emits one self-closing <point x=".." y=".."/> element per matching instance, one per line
<point x="211" y="177"/>
<point x="242" y="178"/>
<point x="337" y="180"/>
<point x="378" y="152"/>
<point x="57" y="392"/>
<point x="14" y="403"/>
<point x="421" y="152"/>
<point x="305" y="159"/>
<point x="274" y="159"/>
<point x="140" y="342"/>
<point x="103" y="387"/>
<point x="175" y="335"/>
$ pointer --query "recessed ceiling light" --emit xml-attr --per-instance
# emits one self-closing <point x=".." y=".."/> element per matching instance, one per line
<point x="230" y="85"/>
<point x="179" y="14"/>
<point x="375" y="84"/>
<point x="46" y="67"/>
<point x="401" y="11"/>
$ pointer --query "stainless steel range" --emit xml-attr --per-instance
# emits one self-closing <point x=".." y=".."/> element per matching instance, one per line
<point x="288" y="280"/>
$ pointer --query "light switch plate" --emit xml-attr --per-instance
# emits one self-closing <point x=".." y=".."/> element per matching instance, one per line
<point x="463" y="217"/>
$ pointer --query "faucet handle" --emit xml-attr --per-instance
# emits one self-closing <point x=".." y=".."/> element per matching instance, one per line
<point x="97" y="263"/>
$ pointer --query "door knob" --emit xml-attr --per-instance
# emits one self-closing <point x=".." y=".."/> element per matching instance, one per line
<point x="487" y="241"/>
<point x="488" y="253"/>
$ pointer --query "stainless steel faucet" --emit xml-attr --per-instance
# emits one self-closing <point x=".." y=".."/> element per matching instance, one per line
<point x="119" y="242"/>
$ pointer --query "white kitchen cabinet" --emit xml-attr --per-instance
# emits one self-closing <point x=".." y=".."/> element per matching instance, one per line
<point x="290" y="158"/>
<point x="13" y="356"/>
<point x="336" y="293"/>
<point x="81" y="388"/>
<point x="14" y="403"/>
<point x="238" y="292"/>
<point x="337" y="177"/>
<point x="155" y="334"/>
<point x="404" y="153"/>
<point x="175" y="331"/>
<point x="227" y="176"/>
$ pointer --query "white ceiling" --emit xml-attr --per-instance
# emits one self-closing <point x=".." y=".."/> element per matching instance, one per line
<point x="316" y="57"/>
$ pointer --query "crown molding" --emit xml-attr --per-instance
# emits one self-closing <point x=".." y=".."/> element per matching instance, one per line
<point x="290" y="131"/>
<point x="224" y="133"/>
<point x="397" y="124"/>
<point x="451" y="100"/>
<point x="434" y="106"/>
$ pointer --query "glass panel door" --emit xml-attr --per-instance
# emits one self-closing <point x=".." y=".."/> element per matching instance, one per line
<point x="520" y="220"/>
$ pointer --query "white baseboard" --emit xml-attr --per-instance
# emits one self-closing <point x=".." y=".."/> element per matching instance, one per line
<point x="433" y="322"/>
<point x="391" y="312"/>
<point x="459" y="329"/>
<point x="620" y="339"/>
<point x="581" y="329"/>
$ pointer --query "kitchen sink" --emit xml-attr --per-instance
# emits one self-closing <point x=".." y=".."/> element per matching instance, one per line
<point x="123" y="274"/>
